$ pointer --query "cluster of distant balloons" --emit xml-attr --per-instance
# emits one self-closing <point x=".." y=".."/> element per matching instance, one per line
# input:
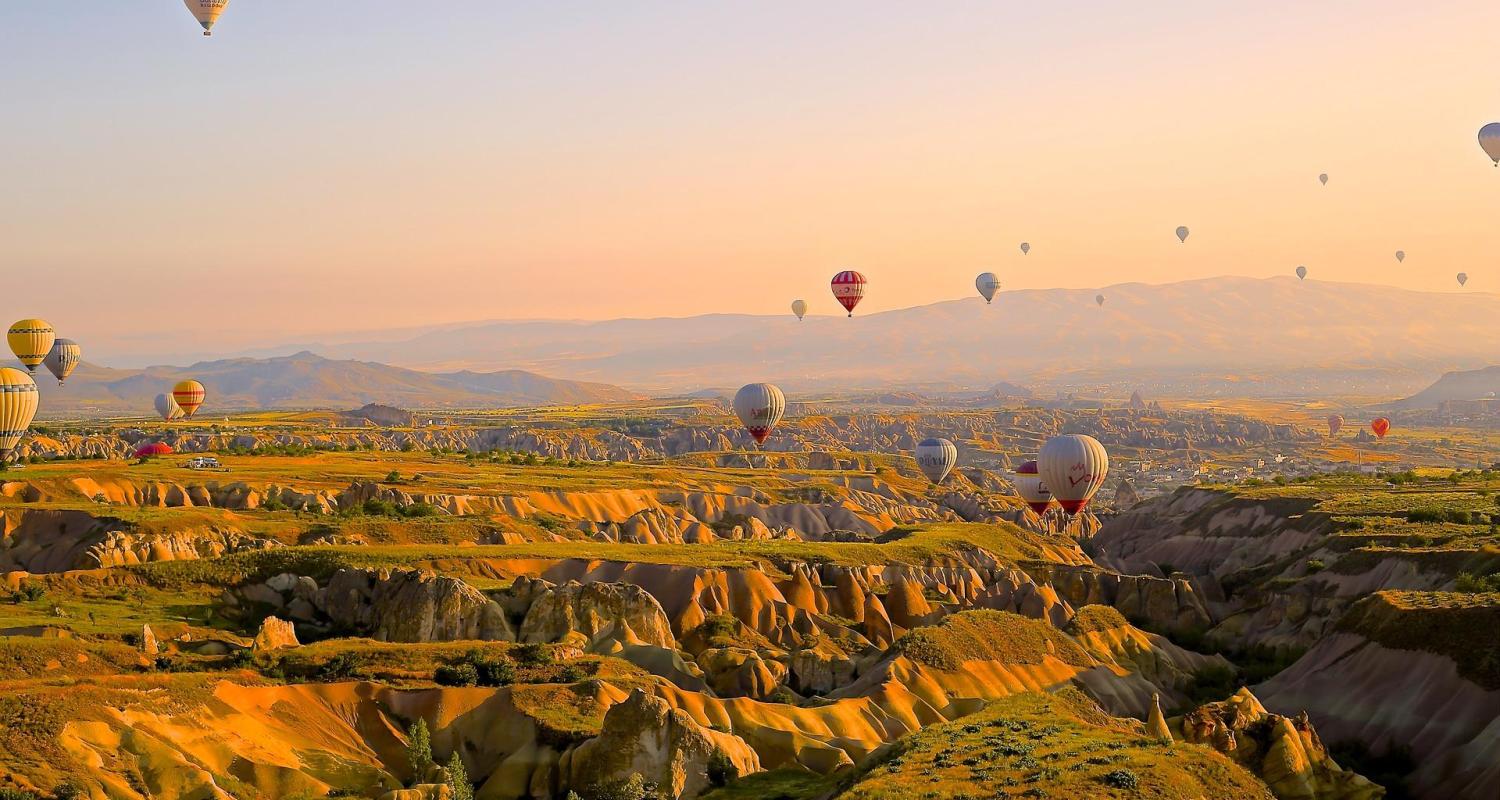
<point x="1380" y="425"/>
<point x="1069" y="470"/>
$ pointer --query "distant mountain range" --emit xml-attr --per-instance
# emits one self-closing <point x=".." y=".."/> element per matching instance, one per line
<point x="1245" y="335"/>
<point x="305" y="381"/>
<point x="1471" y="384"/>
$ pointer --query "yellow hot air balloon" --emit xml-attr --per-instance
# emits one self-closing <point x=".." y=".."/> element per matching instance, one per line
<point x="18" y="400"/>
<point x="189" y="395"/>
<point x="206" y="12"/>
<point x="31" y="340"/>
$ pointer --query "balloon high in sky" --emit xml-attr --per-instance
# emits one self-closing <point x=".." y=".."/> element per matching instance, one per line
<point x="848" y="288"/>
<point x="987" y="284"/>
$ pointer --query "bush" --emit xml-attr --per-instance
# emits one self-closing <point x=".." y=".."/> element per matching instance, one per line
<point x="533" y="654"/>
<point x="721" y="770"/>
<point x="1315" y="565"/>
<point x="460" y="674"/>
<point x="393" y="477"/>
<point x="419" y="750"/>
<point x="341" y="667"/>
<point x="1121" y="779"/>
<point x="571" y="673"/>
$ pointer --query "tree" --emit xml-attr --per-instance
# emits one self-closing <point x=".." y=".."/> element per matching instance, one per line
<point x="419" y="750"/>
<point x="458" y="779"/>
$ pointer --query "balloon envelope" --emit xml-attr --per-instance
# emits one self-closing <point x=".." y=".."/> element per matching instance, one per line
<point x="31" y="340"/>
<point x="1025" y="248"/>
<point x="1074" y="467"/>
<point x="1400" y="256"/>
<point x="189" y="395"/>
<point x="936" y="457"/>
<point x="1028" y="483"/>
<point x="987" y="284"/>
<point x="62" y="358"/>
<point x="1323" y="179"/>
<point x="1301" y="273"/>
<point x="799" y="307"/>
<point x="1489" y="139"/>
<point x="153" y="449"/>
<point x="1335" y="422"/>
<point x="1380" y="425"/>
<point x="18" y="401"/>
<point x="206" y="12"/>
<point x="1463" y="278"/>
<point x="167" y="407"/>
<point x="848" y="288"/>
<point x="1099" y="298"/>
<point x="759" y="407"/>
<point x="1182" y="233"/>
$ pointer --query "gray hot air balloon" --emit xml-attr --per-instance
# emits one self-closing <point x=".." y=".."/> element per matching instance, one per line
<point x="1182" y="233"/>
<point x="1400" y="256"/>
<point x="1025" y="248"/>
<point x="1489" y="139"/>
<point x="936" y="458"/>
<point x="1301" y="273"/>
<point x="62" y="358"/>
<point x="167" y="407"/>
<point x="1323" y="178"/>
<point x="1463" y="278"/>
<point x="987" y="284"/>
<point x="799" y="307"/>
<point x="1099" y="298"/>
<point x="759" y="407"/>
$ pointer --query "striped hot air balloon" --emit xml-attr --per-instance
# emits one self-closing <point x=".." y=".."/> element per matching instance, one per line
<point x="936" y="457"/>
<point x="848" y="288"/>
<point x="759" y="407"/>
<point x="18" y="401"/>
<point x="189" y="395"/>
<point x="987" y="284"/>
<point x="1028" y="483"/>
<point x="206" y="12"/>
<point x="31" y="340"/>
<point x="62" y="358"/>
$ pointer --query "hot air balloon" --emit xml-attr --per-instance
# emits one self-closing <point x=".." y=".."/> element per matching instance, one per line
<point x="936" y="457"/>
<point x="987" y="284"/>
<point x="31" y="340"/>
<point x="1400" y="256"/>
<point x="167" y="407"/>
<point x="1335" y="422"/>
<point x="1099" y="298"/>
<point x="1025" y="248"/>
<point x="1073" y="466"/>
<point x="759" y="407"/>
<point x="848" y="287"/>
<point x="206" y="12"/>
<point x="1380" y="425"/>
<point x="1323" y="178"/>
<point x="1029" y="485"/>
<point x="1182" y="233"/>
<point x="799" y="307"/>
<point x="62" y="358"/>
<point x="189" y="395"/>
<point x="1489" y="139"/>
<point x="152" y="450"/>
<point x="1463" y="278"/>
<point x="18" y="400"/>
<point x="1301" y="273"/>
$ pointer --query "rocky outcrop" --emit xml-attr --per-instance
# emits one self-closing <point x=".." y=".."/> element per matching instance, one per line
<point x="410" y="606"/>
<point x="607" y="615"/>
<point x="644" y="735"/>
<point x="275" y="633"/>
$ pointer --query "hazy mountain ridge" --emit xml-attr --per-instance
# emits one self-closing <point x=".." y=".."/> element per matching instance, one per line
<point x="306" y="380"/>
<point x="1214" y="326"/>
<point x="1471" y="384"/>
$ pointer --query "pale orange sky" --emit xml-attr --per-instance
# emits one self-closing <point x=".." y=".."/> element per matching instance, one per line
<point x="306" y="171"/>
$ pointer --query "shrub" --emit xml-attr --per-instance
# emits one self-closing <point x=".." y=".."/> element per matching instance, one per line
<point x="1315" y="565"/>
<point x="1121" y="779"/>
<point x="721" y="770"/>
<point x="393" y="477"/>
<point x="341" y="667"/>
<point x="460" y="674"/>
<point x="533" y="654"/>
<point x="571" y="673"/>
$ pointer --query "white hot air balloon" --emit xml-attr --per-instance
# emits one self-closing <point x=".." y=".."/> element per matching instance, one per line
<point x="1028" y="483"/>
<point x="167" y="407"/>
<point x="1182" y="233"/>
<point x="1301" y="273"/>
<point x="1400" y="256"/>
<point x="1025" y="248"/>
<point x="1099" y="298"/>
<point x="936" y="457"/>
<point x="1323" y="179"/>
<point x="1463" y="278"/>
<point x="799" y="307"/>
<point x="987" y="284"/>
<point x="206" y="12"/>
<point x="759" y="407"/>
<point x="1074" y="467"/>
<point x="1489" y="139"/>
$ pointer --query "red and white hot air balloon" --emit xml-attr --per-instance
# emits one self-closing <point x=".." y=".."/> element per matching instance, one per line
<point x="1029" y="485"/>
<point x="1381" y="426"/>
<point x="759" y="407"/>
<point x="848" y="288"/>
<point x="1074" y="467"/>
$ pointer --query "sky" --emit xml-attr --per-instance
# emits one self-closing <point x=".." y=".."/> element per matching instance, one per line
<point x="325" y="167"/>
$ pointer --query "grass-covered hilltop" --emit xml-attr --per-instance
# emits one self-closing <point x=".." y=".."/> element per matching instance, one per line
<point x="608" y="602"/>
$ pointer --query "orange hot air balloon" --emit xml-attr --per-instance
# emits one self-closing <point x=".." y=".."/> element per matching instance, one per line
<point x="1380" y="425"/>
<point x="1335" y="421"/>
